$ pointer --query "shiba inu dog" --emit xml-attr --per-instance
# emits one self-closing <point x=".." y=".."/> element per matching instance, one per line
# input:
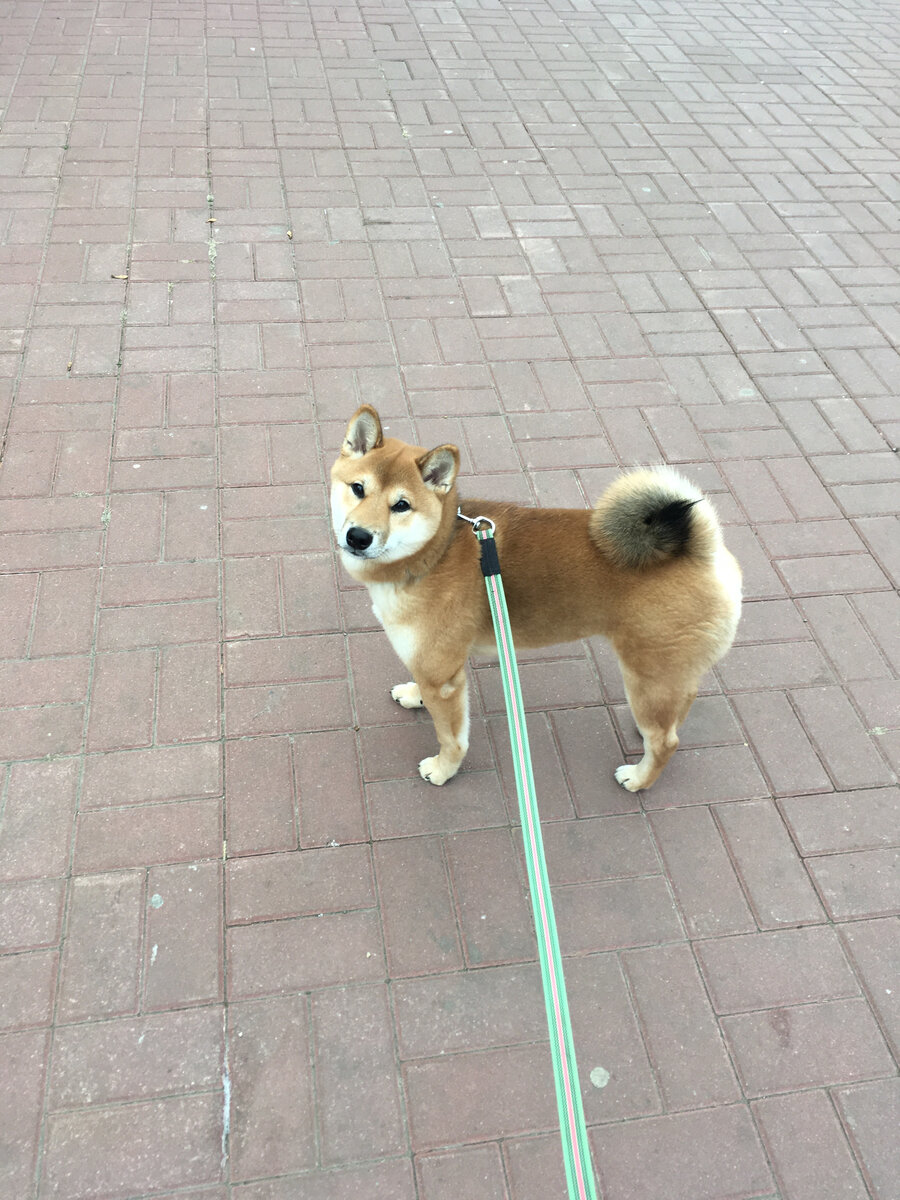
<point x="646" y="568"/>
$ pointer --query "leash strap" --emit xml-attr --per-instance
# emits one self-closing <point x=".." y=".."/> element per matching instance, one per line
<point x="576" y="1152"/>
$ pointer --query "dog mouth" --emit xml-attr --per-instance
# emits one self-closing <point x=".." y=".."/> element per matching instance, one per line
<point x="368" y="552"/>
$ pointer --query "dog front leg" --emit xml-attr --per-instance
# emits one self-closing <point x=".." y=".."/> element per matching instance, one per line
<point x="448" y="704"/>
<point x="407" y="695"/>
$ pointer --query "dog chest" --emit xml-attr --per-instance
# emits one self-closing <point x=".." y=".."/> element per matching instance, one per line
<point x="390" y="605"/>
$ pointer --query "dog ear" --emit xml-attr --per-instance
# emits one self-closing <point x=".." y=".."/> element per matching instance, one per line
<point x="439" y="468"/>
<point x="363" y="433"/>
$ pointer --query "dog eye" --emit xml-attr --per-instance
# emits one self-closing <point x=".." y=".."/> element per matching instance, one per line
<point x="358" y="490"/>
<point x="401" y="506"/>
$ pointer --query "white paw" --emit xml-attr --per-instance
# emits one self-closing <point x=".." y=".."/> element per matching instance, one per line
<point x="629" y="777"/>
<point x="432" y="770"/>
<point x="407" y="695"/>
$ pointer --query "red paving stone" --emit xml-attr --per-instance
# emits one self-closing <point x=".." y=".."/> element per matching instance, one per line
<point x="244" y="952"/>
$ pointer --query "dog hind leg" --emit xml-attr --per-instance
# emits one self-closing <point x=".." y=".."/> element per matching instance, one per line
<point x="658" y="706"/>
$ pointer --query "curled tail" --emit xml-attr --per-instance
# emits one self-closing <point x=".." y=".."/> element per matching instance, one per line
<point x="649" y="516"/>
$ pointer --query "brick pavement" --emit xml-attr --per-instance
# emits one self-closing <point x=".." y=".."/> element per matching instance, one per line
<point x="245" y="951"/>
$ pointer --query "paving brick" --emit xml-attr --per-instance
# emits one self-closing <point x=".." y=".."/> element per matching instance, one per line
<point x="861" y="884"/>
<point x="770" y="621"/>
<point x="713" y="1152"/>
<point x="39" y="732"/>
<point x="878" y="702"/>
<point x="417" y="907"/>
<point x="100" y="965"/>
<point x="259" y="796"/>
<point x="769" y="868"/>
<point x="477" y="1097"/>
<point x="477" y="1170"/>
<point x="812" y="1045"/>
<point x="799" y="538"/>
<point x="17" y="594"/>
<point x="251" y="597"/>
<point x="134" y="532"/>
<point x="56" y="512"/>
<point x="23" y="1065"/>
<point x="159" y="773"/>
<point x="29" y="464"/>
<point x="191" y="524"/>
<point x="389" y="751"/>
<point x="760" y="580"/>
<point x="309" y="593"/>
<point x="844" y="745"/>
<point x="869" y="1114"/>
<point x="469" y="1010"/>
<point x="159" y="582"/>
<point x="273" y="1127"/>
<point x="782" y="745"/>
<point x="843" y="637"/>
<point x="769" y="970"/>
<point x="360" y="1112"/>
<point x="124" y="1150"/>
<point x="31" y="914"/>
<point x="880" y="533"/>
<point x="31" y="551"/>
<point x="27" y="985"/>
<point x="879" y="612"/>
<point x="101" y="1062"/>
<point x="544" y="684"/>
<point x="698" y="776"/>
<point x="598" y="848"/>
<point x="591" y="752"/>
<point x="703" y="877"/>
<point x="872" y="947"/>
<point x="270" y="887"/>
<point x="65" y="613"/>
<point x="287" y="708"/>
<point x="683" y="1040"/>
<point x="282" y="660"/>
<point x="617" y="1079"/>
<point x="157" y="625"/>
<point x="183" y="936"/>
<point x="616" y="914"/>
<point x="806" y="1144"/>
<point x="390" y="1179"/>
<point x="832" y="573"/>
<point x="774" y="665"/>
<point x="137" y="835"/>
<point x="187" y="704"/>
<point x="83" y="462"/>
<point x="407" y="807"/>
<point x="326" y="770"/>
<point x="534" y="1166"/>
<point x="37" y="825"/>
<point x="123" y="693"/>
<point x="304" y="953"/>
<point x="858" y="820"/>
<point x="491" y="897"/>
<point x="756" y="491"/>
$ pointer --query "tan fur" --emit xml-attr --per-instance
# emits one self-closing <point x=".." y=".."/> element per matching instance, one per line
<point x="668" y="621"/>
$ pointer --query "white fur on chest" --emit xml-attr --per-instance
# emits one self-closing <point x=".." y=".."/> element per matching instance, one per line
<point x="389" y="605"/>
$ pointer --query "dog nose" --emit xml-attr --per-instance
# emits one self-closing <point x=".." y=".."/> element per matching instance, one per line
<point x="358" y="538"/>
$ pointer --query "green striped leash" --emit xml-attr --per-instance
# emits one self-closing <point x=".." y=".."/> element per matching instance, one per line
<point x="573" y="1133"/>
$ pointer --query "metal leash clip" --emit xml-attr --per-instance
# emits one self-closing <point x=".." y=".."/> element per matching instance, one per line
<point x="476" y="521"/>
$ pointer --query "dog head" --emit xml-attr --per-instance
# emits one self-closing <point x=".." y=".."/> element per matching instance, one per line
<point x="387" y="498"/>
